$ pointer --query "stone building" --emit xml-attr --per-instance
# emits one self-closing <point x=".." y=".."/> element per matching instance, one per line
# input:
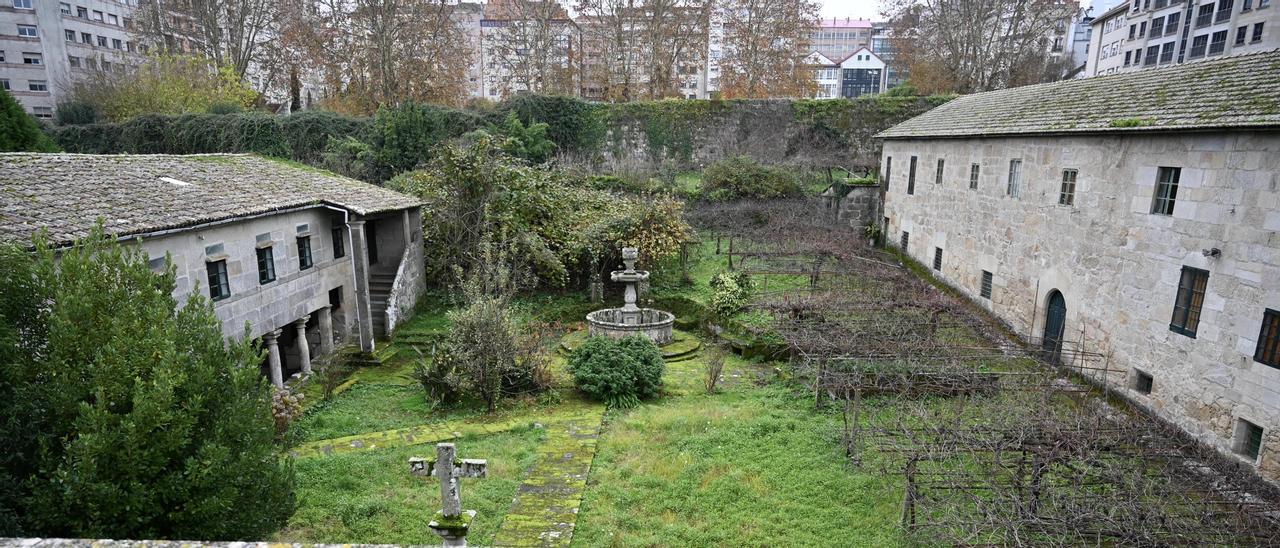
<point x="1136" y="215"/>
<point x="304" y="259"/>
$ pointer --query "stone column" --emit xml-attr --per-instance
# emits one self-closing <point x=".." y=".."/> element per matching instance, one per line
<point x="325" y="321"/>
<point x="273" y="358"/>
<point x="304" y="348"/>
<point x="360" y="263"/>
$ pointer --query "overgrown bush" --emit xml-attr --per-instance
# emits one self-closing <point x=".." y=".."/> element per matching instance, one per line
<point x="713" y="368"/>
<point x="150" y="424"/>
<point x="165" y="84"/>
<point x="573" y="124"/>
<point x="77" y="112"/>
<point x="618" y="372"/>
<point x="730" y="292"/>
<point x="743" y="177"/>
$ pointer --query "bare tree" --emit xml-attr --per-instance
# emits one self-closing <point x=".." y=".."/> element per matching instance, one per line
<point x="765" y="45"/>
<point x="233" y="33"/>
<point x="380" y="52"/>
<point x="531" y="45"/>
<point x="979" y="45"/>
<point x="641" y="49"/>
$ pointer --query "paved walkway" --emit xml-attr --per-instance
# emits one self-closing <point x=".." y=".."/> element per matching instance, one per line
<point x="545" y="509"/>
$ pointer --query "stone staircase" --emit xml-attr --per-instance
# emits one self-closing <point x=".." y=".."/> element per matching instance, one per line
<point x="379" y="294"/>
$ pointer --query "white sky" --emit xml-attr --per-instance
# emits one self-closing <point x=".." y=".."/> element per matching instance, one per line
<point x="857" y="9"/>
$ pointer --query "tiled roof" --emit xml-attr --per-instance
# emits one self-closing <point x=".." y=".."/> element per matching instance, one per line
<point x="66" y="194"/>
<point x="1241" y="91"/>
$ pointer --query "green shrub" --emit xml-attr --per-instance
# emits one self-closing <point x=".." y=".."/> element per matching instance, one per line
<point x="618" y="372"/>
<point x="573" y="124"/>
<point x="124" y="415"/>
<point x="730" y="292"/>
<point x="77" y="113"/>
<point x="19" y="132"/>
<point x="405" y="136"/>
<point x="225" y="108"/>
<point x="743" y="177"/>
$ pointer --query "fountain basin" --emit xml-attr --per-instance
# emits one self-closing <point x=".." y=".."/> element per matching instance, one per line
<point x="618" y="323"/>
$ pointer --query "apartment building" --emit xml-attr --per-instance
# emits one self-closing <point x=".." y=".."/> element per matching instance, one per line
<point x="46" y="45"/>
<point x="1167" y="32"/>
<point x="838" y="38"/>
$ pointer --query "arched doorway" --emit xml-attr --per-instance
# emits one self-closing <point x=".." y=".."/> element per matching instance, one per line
<point x="1055" y="323"/>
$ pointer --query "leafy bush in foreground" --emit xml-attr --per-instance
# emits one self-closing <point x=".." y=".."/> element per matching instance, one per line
<point x="619" y="372"/>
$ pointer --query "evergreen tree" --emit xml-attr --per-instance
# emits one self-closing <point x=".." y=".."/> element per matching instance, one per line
<point x="124" y="415"/>
<point x="19" y="132"/>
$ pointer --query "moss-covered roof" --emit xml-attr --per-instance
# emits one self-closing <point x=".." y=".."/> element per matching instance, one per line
<point x="65" y="194"/>
<point x="1241" y="91"/>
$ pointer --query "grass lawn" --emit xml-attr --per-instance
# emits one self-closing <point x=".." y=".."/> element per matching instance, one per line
<point x="370" y="497"/>
<point x="749" y="467"/>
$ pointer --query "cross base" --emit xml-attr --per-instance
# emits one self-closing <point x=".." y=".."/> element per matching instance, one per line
<point x="453" y="529"/>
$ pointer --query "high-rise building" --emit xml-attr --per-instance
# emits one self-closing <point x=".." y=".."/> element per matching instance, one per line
<point x="45" y="46"/>
<point x="1149" y="33"/>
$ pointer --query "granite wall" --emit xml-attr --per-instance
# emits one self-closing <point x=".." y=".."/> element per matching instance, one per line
<point x="1116" y="263"/>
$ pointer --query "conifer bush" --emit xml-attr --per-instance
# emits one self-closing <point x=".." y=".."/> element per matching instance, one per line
<point x="124" y="415"/>
<point x="19" y="132"/>
<point x="618" y="372"/>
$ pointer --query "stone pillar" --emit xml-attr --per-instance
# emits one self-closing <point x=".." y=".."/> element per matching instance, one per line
<point x="360" y="263"/>
<point x="325" y="321"/>
<point x="304" y="347"/>
<point x="273" y="358"/>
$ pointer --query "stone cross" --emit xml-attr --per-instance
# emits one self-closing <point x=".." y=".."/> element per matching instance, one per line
<point x="451" y="522"/>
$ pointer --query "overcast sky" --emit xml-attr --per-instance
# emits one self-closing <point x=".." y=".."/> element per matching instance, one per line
<point x="857" y="9"/>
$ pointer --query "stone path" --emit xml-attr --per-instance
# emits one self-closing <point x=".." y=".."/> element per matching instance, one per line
<point x="545" y="509"/>
<point x="438" y="432"/>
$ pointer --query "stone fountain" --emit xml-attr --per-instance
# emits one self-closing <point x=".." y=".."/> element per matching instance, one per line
<point x="631" y="319"/>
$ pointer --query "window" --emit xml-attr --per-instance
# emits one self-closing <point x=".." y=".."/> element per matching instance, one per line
<point x="1015" y="178"/>
<point x="1142" y="29"/>
<point x="906" y="238"/>
<point x="1198" y="45"/>
<point x="1257" y="33"/>
<point x="219" y="287"/>
<point x="1224" y="10"/>
<point x="97" y="16"/>
<point x="1127" y="55"/>
<point x="1166" y="190"/>
<point x="1133" y="31"/>
<point x="70" y="35"/>
<point x="1248" y="442"/>
<point x="65" y="7"/>
<point x="1166" y="52"/>
<point x="304" y="252"/>
<point x="1068" y="195"/>
<point x="266" y="265"/>
<point x="22" y="4"/>
<point x="1218" y="42"/>
<point x="116" y="43"/>
<point x="1204" y="17"/>
<point x="4" y="84"/>
<point x="29" y="58"/>
<point x="1142" y="382"/>
<point x="1171" y="24"/>
<point x="339" y="242"/>
<point x="86" y="38"/>
<point x="102" y="41"/>
<point x="113" y="19"/>
<point x="937" y="259"/>
<point x="1268" y="351"/>
<point x="1157" y="27"/>
<point x="985" y="289"/>
<point x="1186" y="307"/>
<point x="82" y="13"/>
<point x="38" y="85"/>
<point x="938" y="180"/>
<point x="42" y="112"/>
<point x="28" y="31"/>
<point x="1153" y="53"/>
<point x="888" y="171"/>
<point x="1248" y="5"/>
<point x="1241" y="34"/>
<point x="911" y="177"/>
<point x="335" y="299"/>
<point x="73" y="61"/>
<point x="973" y="176"/>
<point x="1263" y="3"/>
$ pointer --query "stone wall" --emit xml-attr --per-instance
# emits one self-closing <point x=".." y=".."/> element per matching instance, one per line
<point x="684" y="135"/>
<point x="1116" y="263"/>
<point x="411" y="280"/>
